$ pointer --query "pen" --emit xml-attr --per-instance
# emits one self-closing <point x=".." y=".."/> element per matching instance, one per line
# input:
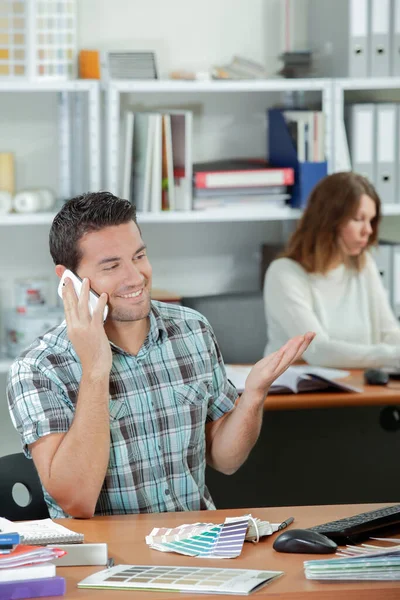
<point x="110" y="563"/>
<point x="286" y="523"/>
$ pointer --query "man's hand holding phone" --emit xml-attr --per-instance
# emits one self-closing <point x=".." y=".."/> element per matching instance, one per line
<point x="85" y="327"/>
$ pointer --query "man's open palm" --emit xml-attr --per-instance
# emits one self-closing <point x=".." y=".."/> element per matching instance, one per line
<point x="264" y="373"/>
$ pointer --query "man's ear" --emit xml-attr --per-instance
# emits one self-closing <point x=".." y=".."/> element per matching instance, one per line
<point x="60" y="270"/>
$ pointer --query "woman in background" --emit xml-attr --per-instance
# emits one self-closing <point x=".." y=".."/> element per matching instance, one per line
<point x="328" y="282"/>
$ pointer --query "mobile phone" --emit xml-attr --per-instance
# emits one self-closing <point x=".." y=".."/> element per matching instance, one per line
<point x="77" y="282"/>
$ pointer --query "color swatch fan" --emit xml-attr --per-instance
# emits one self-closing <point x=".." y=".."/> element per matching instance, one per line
<point x="37" y="39"/>
<point x="207" y="540"/>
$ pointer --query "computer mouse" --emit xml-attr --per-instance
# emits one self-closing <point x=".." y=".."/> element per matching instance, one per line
<point x="376" y="377"/>
<point x="304" y="541"/>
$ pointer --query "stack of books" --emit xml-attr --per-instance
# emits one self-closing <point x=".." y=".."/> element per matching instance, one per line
<point x="27" y="571"/>
<point x="157" y="160"/>
<point x="239" y="182"/>
<point x="296" y="64"/>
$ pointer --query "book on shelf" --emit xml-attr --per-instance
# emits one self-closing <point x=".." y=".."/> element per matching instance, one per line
<point x="296" y="139"/>
<point x="230" y="192"/>
<point x="296" y="380"/>
<point x="307" y="129"/>
<point x="237" y="173"/>
<point x="41" y="532"/>
<point x="250" y="201"/>
<point x="156" y="172"/>
<point x="32" y="588"/>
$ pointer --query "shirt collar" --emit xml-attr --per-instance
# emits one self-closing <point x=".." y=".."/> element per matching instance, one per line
<point x="157" y="331"/>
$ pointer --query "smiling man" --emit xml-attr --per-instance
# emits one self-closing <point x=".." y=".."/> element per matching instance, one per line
<point x="121" y="416"/>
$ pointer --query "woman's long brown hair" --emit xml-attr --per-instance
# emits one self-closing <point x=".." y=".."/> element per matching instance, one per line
<point x="333" y="202"/>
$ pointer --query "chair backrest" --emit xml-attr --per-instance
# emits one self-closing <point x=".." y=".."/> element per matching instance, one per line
<point x="238" y="321"/>
<point x="17" y="469"/>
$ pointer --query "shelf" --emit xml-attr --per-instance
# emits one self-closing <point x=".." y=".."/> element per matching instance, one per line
<point x="215" y="215"/>
<point x="390" y="209"/>
<point x="71" y="85"/>
<point x="369" y="83"/>
<point x="5" y="364"/>
<point x="40" y="218"/>
<point x="253" y="85"/>
<point x="227" y="215"/>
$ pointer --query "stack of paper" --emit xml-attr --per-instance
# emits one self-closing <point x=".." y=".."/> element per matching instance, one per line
<point x="365" y="562"/>
<point x="210" y="540"/>
<point x="29" y="555"/>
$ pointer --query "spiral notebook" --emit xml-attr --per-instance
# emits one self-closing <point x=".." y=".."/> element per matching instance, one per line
<point x="42" y="532"/>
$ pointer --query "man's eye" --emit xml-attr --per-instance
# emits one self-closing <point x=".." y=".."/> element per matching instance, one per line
<point x="111" y="268"/>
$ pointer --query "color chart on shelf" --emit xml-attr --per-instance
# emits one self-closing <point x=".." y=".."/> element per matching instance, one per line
<point x="37" y="39"/>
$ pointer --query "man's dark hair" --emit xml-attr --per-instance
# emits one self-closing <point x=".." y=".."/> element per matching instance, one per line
<point x="80" y="215"/>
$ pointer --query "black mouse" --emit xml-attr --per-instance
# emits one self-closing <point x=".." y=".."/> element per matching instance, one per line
<point x="376" y="377"/>
<point x="304" y="541"/>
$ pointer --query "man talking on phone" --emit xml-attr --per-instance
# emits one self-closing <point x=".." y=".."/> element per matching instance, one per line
<point x="122" y="416"/>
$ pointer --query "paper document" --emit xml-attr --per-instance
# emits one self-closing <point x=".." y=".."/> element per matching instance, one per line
<point x="180" y="579"/>
<point x="297" y="379"/>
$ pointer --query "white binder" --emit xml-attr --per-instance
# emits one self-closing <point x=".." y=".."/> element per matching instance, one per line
<point x="156" y="166"/>
<point x="386" y="126"/>
<point x="380" y="38"/>
<point x="359" y="54"/>
<point x="395" y="38"/>
<point x="362" y="139"/>
<point x="387" y="258"/>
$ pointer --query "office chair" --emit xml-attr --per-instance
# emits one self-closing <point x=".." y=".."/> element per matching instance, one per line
<point x="238" y="321"/>
<point x="17" y="469"/>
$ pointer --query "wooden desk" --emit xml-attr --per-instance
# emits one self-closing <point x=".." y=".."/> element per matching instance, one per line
<point x="336" y="451"/>
<point x="125" y="537"/>
<point x="372" y="395"/>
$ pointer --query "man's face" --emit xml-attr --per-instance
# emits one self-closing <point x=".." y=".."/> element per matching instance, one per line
<point x="115" y="261"/>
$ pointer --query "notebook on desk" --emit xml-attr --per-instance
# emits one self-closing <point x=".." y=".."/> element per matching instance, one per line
<point x="42" y="532"/>
<point x="296" y="380"/>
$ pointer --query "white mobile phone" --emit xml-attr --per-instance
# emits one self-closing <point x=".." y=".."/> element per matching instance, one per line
<point x="77" y="281"/>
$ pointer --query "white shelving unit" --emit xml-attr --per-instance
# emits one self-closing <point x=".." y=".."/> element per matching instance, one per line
<point x="115" y="88"/>
<point x="71" y="119"/>
<point x="5" y="364"/>
<point x="370" y="84"/>
<point x="78" y="125"/>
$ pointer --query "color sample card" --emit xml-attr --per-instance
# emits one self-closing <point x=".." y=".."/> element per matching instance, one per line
<point x="206" y="541"/>
<point x="180" y="579"/>
<point x="13" y="38"/>
<point x="50" y="28"/>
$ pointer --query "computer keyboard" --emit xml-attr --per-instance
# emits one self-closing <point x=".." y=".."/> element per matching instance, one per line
<point x="360" y="527"/>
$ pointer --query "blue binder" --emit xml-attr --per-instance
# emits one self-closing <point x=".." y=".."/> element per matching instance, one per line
<point x="282" y="153"/>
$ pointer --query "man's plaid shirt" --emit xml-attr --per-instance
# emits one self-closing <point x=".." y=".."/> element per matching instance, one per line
<point x="159" y="403"/>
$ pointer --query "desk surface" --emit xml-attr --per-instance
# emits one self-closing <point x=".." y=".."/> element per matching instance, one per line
<point x="372" y="395"/>
<point x="125" y="536"/>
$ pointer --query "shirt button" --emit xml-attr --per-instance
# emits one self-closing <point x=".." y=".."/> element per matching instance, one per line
<point x="167" y="492"/>
<point x="159" y="446"/>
